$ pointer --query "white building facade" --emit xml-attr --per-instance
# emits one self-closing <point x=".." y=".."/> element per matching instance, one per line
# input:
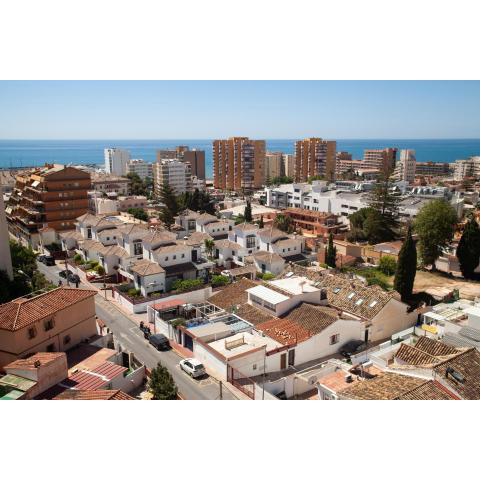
<point x="116" y="160"/>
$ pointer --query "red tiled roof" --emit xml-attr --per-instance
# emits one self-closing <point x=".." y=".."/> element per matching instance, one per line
<point x="93" y="395"/>
<point x="168" y="304"/>
<point x="20" y="313"/>
<point x="30" y="363"/>
<point x="96" y="378"/>
<point x="284" y="331"/>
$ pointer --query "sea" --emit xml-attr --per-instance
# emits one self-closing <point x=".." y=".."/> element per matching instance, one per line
<point x="27" y="153"/>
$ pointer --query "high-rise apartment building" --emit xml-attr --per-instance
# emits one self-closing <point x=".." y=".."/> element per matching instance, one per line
<point x="175" y="173"/>
<point x="238" y="163"/>
<point x="432" y="168"/>
<point x="405" y="167"/>
<point x="196" y="159"/>
<point x="314" y="156"/>
<point x="116" y="160"/>
<point x="273" y="165"/>
<point x="467" y="168"/>
<point x="142" y="168"/>
<point x="167" y="154"/>
<point x="383" y="160"/>
<point x="53" y="196"/>
<point x="289" y="165"/>
<point x="5" y="256"/>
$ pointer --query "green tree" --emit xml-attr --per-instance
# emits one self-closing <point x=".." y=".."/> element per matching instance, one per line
<point x="376" y="228"/>
<point x="468" y="250"/>
<point x="315" y="177"/>
<point x="386" y="203"/>
<point x="138" y="213"/>
<point x="435" y="226"/>
<point x="260" y="222"/>
<point x="170" y="205"/>
<point x="161" y="384"/>
<point x="247" y="214"/>
<point x="209" y="247"/>
<point x="387" y="265"/>
<point x="281" y="180"/>
<point x="283" y="223"/>
<point x="23" y="258"/>
<point x="331" y="253"/>
<point x="406" y="267"/>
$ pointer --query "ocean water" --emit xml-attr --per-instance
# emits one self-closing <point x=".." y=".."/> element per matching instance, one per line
<point x="18" y="153"/>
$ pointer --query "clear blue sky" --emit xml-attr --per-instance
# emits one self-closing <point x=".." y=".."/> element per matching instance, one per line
<point x="259" y="109"/>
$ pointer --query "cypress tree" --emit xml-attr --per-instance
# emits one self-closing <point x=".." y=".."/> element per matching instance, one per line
<point x="331" y="253"/>
<point x="468" y="250"/>
<point x="406" y="267"/>
<point x="247" y="214"/>
<point x="170" y="209"/>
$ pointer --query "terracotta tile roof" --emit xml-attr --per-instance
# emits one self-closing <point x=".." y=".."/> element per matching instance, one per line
<point x="93" y="395"/>
<point x="386" y="386"/>
<point x="114" y="250"/>
<point x="413" y="356"/>
<point x="198" y="238"/>
<point x="139" y="229"/>
<point x="36" y="360"/>
<point x="233" y="294"/>
<point x="90" y="244"/>
<point x="245" y="226"/>
<point x="159" y="236"/>
<point x="227" y="244"/>
<point x="253" y="315"/>
<point x="366" y="301"/>
<point x="71" y="234"/>
<point x="270" y="232"/>
<point x="206" y="216"/>
<point x="21" y="313"/>
<point x="284" y="331"/>
<point x="428" y="391"/>
<point x="188" y="213"/>
<point x="146" y="267"/>
<point x="466" y="366"/>
<point x="94" y="379"/>
<point x="434" y="347"/>
<point x="287" y="242"/>
<point x="267" y="257"/>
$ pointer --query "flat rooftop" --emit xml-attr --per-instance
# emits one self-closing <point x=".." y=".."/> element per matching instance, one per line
<point x="294" y="285"/>
<point x="267" y="294"/>
<point x="243" y="343"/>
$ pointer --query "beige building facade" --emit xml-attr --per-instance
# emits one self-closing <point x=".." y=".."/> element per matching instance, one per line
<point x="315" y="156"/>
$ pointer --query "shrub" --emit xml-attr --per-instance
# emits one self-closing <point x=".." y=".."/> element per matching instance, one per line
<point x="268" y="276"/>
<point x="77" y="258"/>
<point x="93" y="263"/>
<point x="218" y="280"/>
<point x="133" y="292"/>
<point x="387" y="265"/>
<point x="183" y="285"/>
<point x="99" y="269"/>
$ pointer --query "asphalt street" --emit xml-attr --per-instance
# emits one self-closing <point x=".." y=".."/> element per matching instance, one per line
<point x="131" y="339"/>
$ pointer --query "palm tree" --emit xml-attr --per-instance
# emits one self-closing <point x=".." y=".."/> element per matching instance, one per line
<point x="209" y="246"/>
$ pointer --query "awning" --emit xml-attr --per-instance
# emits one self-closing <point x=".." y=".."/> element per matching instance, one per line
<point x="167" y="304"/>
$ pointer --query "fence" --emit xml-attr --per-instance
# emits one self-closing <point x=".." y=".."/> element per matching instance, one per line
<point x="245" y="384"/>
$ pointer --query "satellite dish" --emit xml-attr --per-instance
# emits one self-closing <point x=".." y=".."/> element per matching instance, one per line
<point x="312" y="380"/>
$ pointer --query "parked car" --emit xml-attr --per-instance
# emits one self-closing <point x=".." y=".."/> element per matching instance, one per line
<point x="193" y="367"/>
<point x="41" y="258"/>
<point x="159" y="341"/>
<point x="73" y="277"/>
<point x="225" y="273"/>
<point x="62" y="274"/>
<point x="352" y="347"/>
<point x="48" y="260"/>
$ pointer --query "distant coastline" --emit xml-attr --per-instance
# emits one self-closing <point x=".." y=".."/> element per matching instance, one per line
<point x="21" y="153"/>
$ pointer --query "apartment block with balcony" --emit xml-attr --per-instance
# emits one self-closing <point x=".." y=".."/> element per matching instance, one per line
<point x="238" y="164"/>
<point x="52" y="196"/>
<point x="142" y="168"/>
<point x="380" y="159"/>
<point x="274" y="165"/>
<point x="175" y="173"/>
<point x="314" y="156"/>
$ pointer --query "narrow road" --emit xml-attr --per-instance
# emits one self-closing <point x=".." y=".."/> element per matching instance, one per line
<point x="131" y="339"/>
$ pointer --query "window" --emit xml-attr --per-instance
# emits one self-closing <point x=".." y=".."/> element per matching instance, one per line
<point x="351" y="295"/>
<point x="51" y="347"/>
<point x="32" y="332"/>
<point x="334" y="339"/>
<point x="166" y="259"/>
<point x="49" y="324"/>
<point x="183" y="255"/>
<point x="373" y="304"/>
<point x="67" y="339"/>
<point x="174" y="257"/>
<point x="359" y="301"/>
<point x="137" y="248"/>
<point x="251" y="241"/>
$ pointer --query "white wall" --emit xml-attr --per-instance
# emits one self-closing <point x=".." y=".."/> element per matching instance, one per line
<point x="391" y="319"/>
<point x="211" y="362"/>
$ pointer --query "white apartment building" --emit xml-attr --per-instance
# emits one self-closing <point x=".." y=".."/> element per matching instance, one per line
<point x="142" y="168"/>
<point x="405" y="167"/>
<point x="467" y="168"/>
<point x="173" y="172"/>
<point x="342" y="203"/>
<point x="116" y="160"/>
<point x="5" y="257"/>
